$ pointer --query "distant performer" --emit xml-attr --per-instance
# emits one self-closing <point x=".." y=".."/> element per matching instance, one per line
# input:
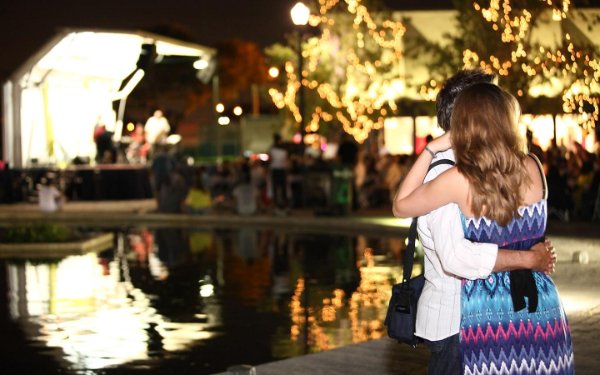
<point x="157" y="128"/>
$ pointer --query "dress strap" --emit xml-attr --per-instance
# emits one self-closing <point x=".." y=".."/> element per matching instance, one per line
<point x="541" y="169"/>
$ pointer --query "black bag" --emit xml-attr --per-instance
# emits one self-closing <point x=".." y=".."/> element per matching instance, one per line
<point x="402" y="309"/>
<point x="401" y="315"/>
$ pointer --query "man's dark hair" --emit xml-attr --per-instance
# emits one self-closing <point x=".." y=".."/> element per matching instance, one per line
<point x="444" y="102"/>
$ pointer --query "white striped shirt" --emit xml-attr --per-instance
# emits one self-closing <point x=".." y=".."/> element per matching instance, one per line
<point x="448" y="257"/>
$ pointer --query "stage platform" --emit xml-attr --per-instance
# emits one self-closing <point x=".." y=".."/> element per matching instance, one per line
<point x="79" y="182"/>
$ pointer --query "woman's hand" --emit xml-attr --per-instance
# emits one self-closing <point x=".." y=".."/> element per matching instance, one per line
<point x="441" y="143"/>
<point x="545" y="257"/>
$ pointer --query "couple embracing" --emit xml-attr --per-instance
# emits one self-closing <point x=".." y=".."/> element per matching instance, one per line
<point x="488" y="306"/>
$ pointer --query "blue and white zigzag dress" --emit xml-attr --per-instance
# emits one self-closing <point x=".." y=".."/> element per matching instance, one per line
<point x="496" y="339"/>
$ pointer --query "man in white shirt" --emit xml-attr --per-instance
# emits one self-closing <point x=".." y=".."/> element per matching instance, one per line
<point x="278" y="163"/>
<point x="157" y="128"/>
<point x="450" y="257"/>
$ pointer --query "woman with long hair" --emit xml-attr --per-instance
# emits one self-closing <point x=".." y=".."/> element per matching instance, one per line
<point x="511" y="322"/>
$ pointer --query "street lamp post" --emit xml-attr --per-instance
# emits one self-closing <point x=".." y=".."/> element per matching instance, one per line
<point x="300" y="14"/>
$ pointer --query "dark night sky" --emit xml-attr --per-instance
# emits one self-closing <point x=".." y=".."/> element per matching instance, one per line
<point x="25" y="25"/>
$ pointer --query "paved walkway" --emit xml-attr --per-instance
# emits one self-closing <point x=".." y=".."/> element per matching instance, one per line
<point x="577" y="275"/>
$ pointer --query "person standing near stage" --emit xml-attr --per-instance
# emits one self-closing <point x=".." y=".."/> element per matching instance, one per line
<point x="278" y="157"/>
<point x="106" y="152"/>
<point x="157" y="129"/>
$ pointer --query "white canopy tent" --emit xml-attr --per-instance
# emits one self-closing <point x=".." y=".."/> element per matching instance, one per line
<point x="54" y="100"/>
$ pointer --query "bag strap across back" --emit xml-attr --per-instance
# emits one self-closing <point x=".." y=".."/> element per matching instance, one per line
<point x="409" y="253"/>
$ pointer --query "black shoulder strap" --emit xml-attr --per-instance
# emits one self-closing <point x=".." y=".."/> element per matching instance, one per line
<point x="440" y="162"/>
<point x="409" y="253"/>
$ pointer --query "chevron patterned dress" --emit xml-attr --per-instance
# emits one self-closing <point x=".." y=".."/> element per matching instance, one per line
<point x="495" y="339"/>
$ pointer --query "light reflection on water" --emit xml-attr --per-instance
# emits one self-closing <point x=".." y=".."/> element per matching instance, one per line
<point x="161" y="293"/>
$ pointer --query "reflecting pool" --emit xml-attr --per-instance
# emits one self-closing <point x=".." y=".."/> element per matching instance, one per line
<point x="191" y="300"/>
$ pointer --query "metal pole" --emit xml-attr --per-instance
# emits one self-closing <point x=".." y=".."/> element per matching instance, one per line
<point x="215" y="89"/>
<point x="301" y="103"/>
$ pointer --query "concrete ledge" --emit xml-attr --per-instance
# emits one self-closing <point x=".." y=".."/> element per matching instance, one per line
<point x="57" y="250"/>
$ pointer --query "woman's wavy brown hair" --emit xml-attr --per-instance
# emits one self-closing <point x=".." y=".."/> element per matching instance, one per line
<point x="489" y="151"/>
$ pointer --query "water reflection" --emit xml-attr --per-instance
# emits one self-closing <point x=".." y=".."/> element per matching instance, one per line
<point x="161" y="293"/>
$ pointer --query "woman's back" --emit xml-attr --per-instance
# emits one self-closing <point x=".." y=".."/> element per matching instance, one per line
<point x="514" y="320"/>
<point x="532" y="192"/>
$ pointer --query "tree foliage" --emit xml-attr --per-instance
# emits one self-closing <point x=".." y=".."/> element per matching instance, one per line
<point x="351" y="69"/>
<point x="506" y="37"/>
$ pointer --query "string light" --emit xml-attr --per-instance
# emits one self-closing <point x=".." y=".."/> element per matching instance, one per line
<point x="578" y="70"/>
<point x="361" y="95"/>
<point x="356" y="99"/>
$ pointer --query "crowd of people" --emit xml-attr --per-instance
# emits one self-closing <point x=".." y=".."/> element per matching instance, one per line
<point x="289" y="181"/>
<point x="573" y="182"/>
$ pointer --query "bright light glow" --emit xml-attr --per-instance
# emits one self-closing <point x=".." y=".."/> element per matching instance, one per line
<point x="300" y="14"/>
<point x="200" y="64"/>
<point x="207" y="290"/>
<point x="237" y="111"/>
<point x="274" y="72"/>
<point x="91" y="54"/>
<point x="130" y="126"/>
<point x="220" y="108"/>
<point x="541" y="126"/>
<point x="398" y="135"/>
<point x="63" y="102"/>
<point x="173" y="139"/>
<point x="297" y="138"/>
<point x="72" y="83"/>
<point x="224" y="120"/>
<point x="263" y="157"/>
<point x="179" y="48"/>
<point x="95" y="318"/>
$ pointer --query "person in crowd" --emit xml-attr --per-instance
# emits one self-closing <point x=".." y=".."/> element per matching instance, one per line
<point x="393" y="175"/>
<point x="501" y="194"/>
<point x="368" y="182"/>
<point x="172" y="194"/>
<point x="50" y="199"/>
<point x="560" y="198"/>
<point x="534" y="148"/>
<point x="347" y="155"/>
<point x="245" y="194"/>
<point x="347" y="152"/>
<point x="162" y="165"/>
<point x="222" y="179"/>
<point x="198" y="199"/>
<point x="137" y="151"/>
<point x="259" y="177"/>
<point x="278" y="165"/>
<point x="106" y="152"/>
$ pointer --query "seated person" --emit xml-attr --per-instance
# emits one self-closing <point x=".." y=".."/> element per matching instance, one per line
<point x="246" y="196"/>
<point x="50" y="199"/>
<point x="198" y="200"/>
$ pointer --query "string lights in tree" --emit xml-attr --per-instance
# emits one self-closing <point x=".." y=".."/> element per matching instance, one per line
<point x="364" y="77"/>
<point x="357" y="71"/>
<point x="577" y="69"/>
